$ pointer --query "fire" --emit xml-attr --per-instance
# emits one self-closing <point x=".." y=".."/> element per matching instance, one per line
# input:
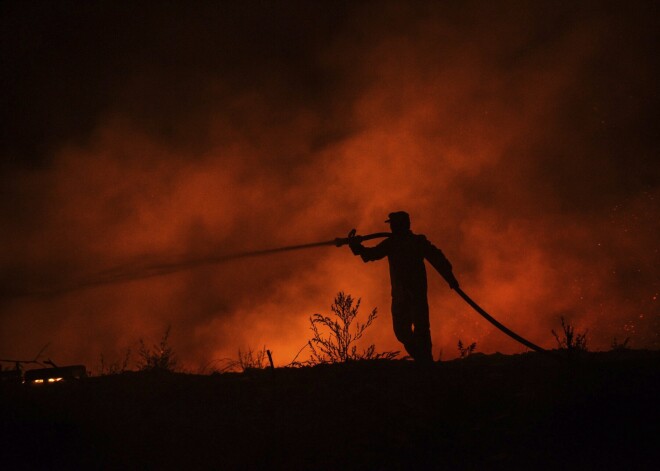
<point x="515" y="145"/>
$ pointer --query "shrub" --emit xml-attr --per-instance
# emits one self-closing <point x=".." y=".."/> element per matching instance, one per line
<point x="158" y="358"/>
<point x="115" y="367"/>
<point x="247" y="360"/>
<point x="343" y="331"/>
<point x="571" y="341"/>
<point x="466" y="351"/>
<point x="252" y="359"/>
<point x="620" y="347"/>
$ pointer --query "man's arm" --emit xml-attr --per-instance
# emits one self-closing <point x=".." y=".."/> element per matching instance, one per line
<point x="368" y="254"/>
<point x="438" y="260"/>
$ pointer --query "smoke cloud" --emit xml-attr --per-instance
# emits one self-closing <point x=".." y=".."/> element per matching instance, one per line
<point x="522" y="139"/>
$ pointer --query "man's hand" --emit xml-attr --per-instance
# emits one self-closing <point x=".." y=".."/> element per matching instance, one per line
<point x="354" y="243"/>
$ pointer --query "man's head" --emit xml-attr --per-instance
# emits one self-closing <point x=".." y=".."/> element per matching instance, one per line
<point x="399" y="222"/>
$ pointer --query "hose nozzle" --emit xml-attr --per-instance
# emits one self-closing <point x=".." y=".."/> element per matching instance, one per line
<point x="339" y="241"/>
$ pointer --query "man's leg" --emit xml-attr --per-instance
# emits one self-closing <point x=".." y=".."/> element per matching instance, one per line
<point x="402" y="322"/>
<point x="422" y="332"/>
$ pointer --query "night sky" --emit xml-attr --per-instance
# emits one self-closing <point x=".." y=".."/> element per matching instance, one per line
<point x="522" y="137"/>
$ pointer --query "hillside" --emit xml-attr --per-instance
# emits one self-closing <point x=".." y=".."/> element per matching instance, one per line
<point x="484" y="412"/>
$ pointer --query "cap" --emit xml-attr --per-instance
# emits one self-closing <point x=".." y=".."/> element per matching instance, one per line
<point x="399" y="217"/>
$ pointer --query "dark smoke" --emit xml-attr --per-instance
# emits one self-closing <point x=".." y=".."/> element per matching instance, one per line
<point x="522" y="138"/>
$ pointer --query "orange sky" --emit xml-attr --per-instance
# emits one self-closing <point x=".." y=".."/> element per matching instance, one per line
<point x="521" y="139"/>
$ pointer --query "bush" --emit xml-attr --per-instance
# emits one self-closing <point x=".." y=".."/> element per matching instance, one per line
<point x="251" y="359"/>
<point x="158" y="358"/>
<point x="247" y="360"/>
<point x="339" y="343"/>
<point x="116" y="367"/>
<point x="620" y="346"/>
<point x="571" y="341"/>
<point x="466" y="351"/>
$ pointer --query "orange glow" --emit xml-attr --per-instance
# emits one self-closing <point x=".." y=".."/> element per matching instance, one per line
<point x="494" y="133"/>
<point x="47" y="381"/>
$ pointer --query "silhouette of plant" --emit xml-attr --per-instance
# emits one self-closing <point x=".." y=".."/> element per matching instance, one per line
<point x="620" y="347"/>
<point x="158" y="358"/>
<point x="116" y="367"/>
<point x="571" y="341"/>
<point x="252" y="359"/>
<point x="247" y="360"/>
<point x="466" y="351"/>
<point x="339" y="343"/>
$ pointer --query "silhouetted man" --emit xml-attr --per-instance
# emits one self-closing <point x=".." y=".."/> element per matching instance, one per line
<point x="410" y="308"/>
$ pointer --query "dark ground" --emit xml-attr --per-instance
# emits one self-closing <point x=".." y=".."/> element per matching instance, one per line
<point x="485" y="412"/>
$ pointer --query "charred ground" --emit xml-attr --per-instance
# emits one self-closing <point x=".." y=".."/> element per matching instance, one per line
<point x="598" y="411"/>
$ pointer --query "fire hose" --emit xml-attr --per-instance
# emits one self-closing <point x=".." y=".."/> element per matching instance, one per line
<point x="459" y="291"/>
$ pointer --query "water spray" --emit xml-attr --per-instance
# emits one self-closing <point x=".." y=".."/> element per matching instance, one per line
<point x="134" y="272"/>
